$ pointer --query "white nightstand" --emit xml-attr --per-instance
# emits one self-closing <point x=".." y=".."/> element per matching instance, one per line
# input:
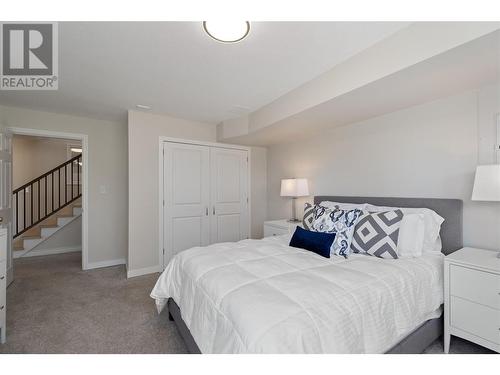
<point x="472" y="297"/>
<point x="279" y="227"/>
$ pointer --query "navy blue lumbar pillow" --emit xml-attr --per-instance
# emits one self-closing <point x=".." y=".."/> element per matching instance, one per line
<point x="317" y="242"/>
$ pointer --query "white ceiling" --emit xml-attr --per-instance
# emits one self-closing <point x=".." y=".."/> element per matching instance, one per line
<point x="107" y="68"/>
<point x="469" y="66"/>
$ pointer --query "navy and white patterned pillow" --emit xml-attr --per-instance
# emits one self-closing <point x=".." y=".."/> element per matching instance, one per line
<point x="377" y="234"/>
<point x="341" y="222"/>
<point x="308" y="218"/>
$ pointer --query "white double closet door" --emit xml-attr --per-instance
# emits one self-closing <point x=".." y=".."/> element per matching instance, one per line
<point x="205" y="196"/>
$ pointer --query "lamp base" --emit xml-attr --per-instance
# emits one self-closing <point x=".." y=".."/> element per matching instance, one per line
<point x="294" y="212"/>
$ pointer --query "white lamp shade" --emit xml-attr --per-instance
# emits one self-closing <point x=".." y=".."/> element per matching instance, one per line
<point x="487" y="183"/>
<point x="294" y="187"/>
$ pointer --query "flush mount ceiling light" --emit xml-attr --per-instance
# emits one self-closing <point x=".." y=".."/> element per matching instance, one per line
<point x="227" y="31"/>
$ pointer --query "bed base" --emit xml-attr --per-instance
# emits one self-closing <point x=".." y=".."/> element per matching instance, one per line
<point x="418" y="340"/>
<point x="415" y="343"/>
<point x="174" y="314"/>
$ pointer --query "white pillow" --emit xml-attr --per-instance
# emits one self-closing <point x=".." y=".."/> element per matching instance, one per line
<point x="432" y="223"/>
<point x="344" y="206"/>
<point x="411" y="236"/>
<point x="436" y="248"/>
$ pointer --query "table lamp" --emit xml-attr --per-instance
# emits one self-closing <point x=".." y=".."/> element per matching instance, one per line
<point x="294" y="188"/>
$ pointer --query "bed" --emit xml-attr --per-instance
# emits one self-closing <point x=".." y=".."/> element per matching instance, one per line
<point x="262" y="296"/>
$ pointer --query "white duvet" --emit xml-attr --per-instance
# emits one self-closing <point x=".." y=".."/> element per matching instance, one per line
<point x="262" y="296"/>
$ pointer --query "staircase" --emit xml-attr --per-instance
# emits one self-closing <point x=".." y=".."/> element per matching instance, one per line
<point x="45" y="205"/>
<point x="34" y="236"/>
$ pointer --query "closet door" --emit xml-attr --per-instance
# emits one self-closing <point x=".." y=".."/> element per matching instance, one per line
<point x="229" y="195"/>
<point x="187" y="197"/>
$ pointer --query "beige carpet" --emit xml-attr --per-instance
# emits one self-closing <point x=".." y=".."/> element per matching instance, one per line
<point x="55" y="307"/>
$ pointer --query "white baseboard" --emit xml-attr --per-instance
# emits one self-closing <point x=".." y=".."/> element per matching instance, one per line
<point x="142" y="271"/>
<point x="105" y="263"/>
<point x="42" y="252"/>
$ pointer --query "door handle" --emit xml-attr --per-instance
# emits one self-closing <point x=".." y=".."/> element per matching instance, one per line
<point x="213" y="211"/>
<point x="1" y="219"/>
<point x="206" y="211"/>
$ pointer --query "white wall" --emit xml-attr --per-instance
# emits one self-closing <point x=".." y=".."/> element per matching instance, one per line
<point x="488" y="110"/>
<point x="425" y="151"/>
<point x="107" y="141"/>
<point x="258" y="175"/>
<point x="33" y="156"/>
<point x="22" y="158"/>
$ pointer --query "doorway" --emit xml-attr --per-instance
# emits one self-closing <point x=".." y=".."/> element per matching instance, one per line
<point x="61" y="189"/>
<point x="47" y="191"/>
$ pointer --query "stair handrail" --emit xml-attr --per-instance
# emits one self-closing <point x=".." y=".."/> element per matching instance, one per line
<point x="36" y="181"/>
<point x="16" y="190"/>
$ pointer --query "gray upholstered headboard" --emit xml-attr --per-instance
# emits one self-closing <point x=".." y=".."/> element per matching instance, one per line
<point x="450" y="209"/>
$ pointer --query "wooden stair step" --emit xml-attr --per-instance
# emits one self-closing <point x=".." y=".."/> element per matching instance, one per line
<point x="49" y="226"/>
<point x="31" y="237"/>
<point x="35" y="231"/>
<point x="18" y="245"/>
<point x="50" y="221"/>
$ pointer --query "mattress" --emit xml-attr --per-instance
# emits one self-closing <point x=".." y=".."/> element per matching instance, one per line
<point x="263" y="296"/>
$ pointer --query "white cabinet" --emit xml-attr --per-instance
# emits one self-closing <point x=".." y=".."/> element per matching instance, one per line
<point x="279" y="227"/>
<point x="206" y="197"/>
<point x="472" y="297"/>
<point x="3" y="283"/>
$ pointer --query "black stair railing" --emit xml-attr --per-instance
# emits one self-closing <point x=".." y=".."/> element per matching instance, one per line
<point x="45" y="195"/>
